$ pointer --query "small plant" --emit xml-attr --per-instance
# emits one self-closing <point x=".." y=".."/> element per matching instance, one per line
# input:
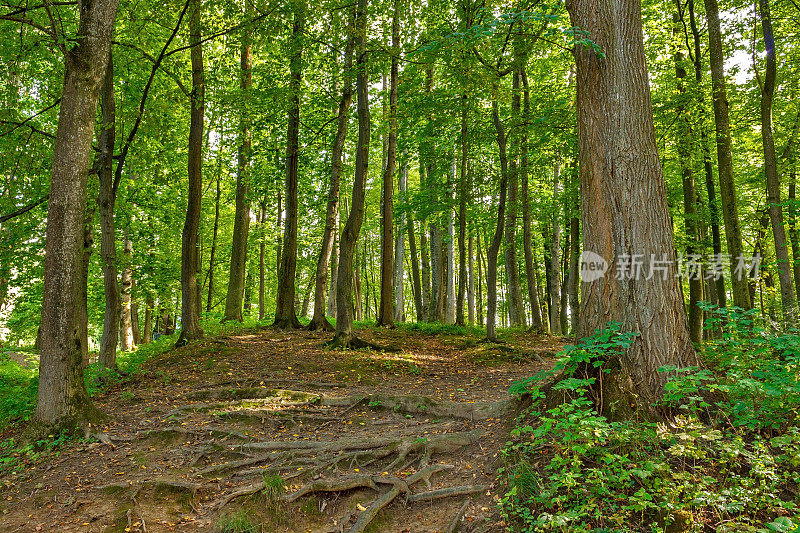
<point x="273" y="488"/>
<point x="238" y="522"/>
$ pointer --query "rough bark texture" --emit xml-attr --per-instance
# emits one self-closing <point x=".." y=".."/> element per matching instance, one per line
<point x="285" y="315"/>
<point x="386" y="309"/>
<point x="319" y="321"/>
<point x="623" y="202"/>
<point x="771" y="164"/>
<point x="241" y="218"/>
<point x="730" y="213"/>
<point x="190" y="303"/>
<point x="62" y="399"/>
<point x="344" y="297"/>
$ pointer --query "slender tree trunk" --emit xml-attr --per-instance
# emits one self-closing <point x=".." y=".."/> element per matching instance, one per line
<point x="285" y="316"/>
<point x="106" y="200"/>
<point x="344" y="297"/>
<point x="771" y="165"/>
<point x="399" y="246"/>
<point x="494" y="248"/>
<point x="794" y="238"/>
<point x="684" y="134"/>
<point x="386" y="310"/>
<point x="213" y="254"/>
<point x="423" y="243"/>
<point x="334" y="271"/>
<point x="480" y="279"/>
<point x="730" y="213"/>
<point x="624" y="207"/>
<point x="262" y="249"/>
<point x="147" y="337"/>
<point x="319" y="321"/>
<point x="449" y="254"/>
<point x="554" y="281"/>
<point x="471" y="281"/>
<point x="241" y="218"/>
<point x="83" y="301"/>
<point x="516" y="310"/>
<point x="708" y="168"/>
<point x="415" y="275"/>
<point x="190" y="305"/>
<point x="135" y="329"/>
<point x="62" y="400"/>
<point x="463" y="193"/>
<point x="574" y="272"/>
<point x="126" y="341"/>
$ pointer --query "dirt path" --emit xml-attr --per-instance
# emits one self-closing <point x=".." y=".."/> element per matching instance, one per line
<point x="269" y="431"/>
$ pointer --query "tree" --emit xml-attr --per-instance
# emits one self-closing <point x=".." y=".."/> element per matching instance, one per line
<point x="190" y="301"/>
<point x="623" y="204"/>
<point x="241" y="221"/>
<point x="285" y="315"/>
<point x="62" y="401"/>
<point x="344" y="288"/>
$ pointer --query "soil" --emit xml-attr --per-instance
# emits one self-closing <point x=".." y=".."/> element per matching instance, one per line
<point x="269" y="430"/>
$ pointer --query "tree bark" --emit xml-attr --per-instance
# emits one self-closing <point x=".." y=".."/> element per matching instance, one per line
<point x="285" y="316"/>
<point x="684" y="139"/>
<point x="730" y="213"/>
<point x="213" y="255"/>
<point x="386" y="310"/>
<point x="463" y="193"/>
<point x="83" y="301"/>
<point x="190" y="304"/>
<point x="771" y="165"/>
<point x="62" y="400"/>
<point x="415" y="274"/>
<point x="126" y="342"/>
<point x="449" y="255"/>
<point x="624" y="205"/>
<point x="262" y="249"/>
<point x="554" y="280"/>
<point x="471" y="280"/>
<point x="494" y="248"/>
<point x="344" y="297"/>
<point x="399" y="246"/>
<point x="319" y="321"/>
<point x="241" y="218"/>
<point x="516" y="311"/>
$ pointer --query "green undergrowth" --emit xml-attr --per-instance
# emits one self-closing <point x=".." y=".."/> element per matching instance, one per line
<point x="438" y="328"/>
<point x="726" y="459"/>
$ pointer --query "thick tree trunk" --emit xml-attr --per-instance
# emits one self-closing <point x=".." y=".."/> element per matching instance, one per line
<point x="386" y="310"/>
<point x="126" y="341"/>
<point x="771" y="165"/>
<point x="344" y="297"/>
<point x="494" y="248"/>
<point x="62" y="400"/>
<point x="319" y="321"/>
<point x="241" y="218"/>
<point x="730" y="213"/>
<point x="554" y="281"/>
<point x="684" y="141"/>
<point x="285" y="316"/>
<point x="106" y="200"/>
<point x="190" y="305"/>
<point x="624" y="206"/>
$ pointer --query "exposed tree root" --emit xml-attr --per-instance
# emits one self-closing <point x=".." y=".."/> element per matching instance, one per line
<point x="334" y="485"/>
<point x="456" y="521"/>
<point x="447" y="492"/>
<point x="320" y="325"/>
<point x="351" y="342"/>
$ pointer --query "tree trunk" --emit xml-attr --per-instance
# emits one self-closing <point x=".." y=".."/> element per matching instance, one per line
<point x="684" y="140"/>
<point x="727" y="187"/>
<point x="554" y="281"/>
<point x="83" y="301"/>
<point x="415" y="275"/>
<point x="494" y="248"/>
<point x="213" y="258"/>
<point x="334" y="270"/>
<point x="463" y="192"/>
<point x="285" y="316"/>
<point x="126" y="341"/>
<point x="624" y="206"/>
<point x="516" y="311"/>
<point x="480" y="279"/>
<point x="574" y="266"/>
<point x="794" y="238"/>
<point x="135" y="329"/>
<point x="147" y="336"/>
<point x="771" y="165"/>
<point x="471" y="281"/>
<point x="62" y="400"/>
<point x="708" y="168"/>
<point x="386" y="310"/>
<point x="319" y="321"/>
<point x="399" y="246"/>
<point x="106" y="200"/>
<point x="449" y="254"/>
<point x="190" y="305"/>
<point x="344" y="297"/>
<point x="423" y="244"/>
<point x="241" y="218"/>
<point x="262" y="249"/>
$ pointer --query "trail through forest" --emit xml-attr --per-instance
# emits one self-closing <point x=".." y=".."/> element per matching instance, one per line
<point x="271" y="430"/>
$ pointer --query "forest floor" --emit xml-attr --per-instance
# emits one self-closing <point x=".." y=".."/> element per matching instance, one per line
<point x="270" y="431"/>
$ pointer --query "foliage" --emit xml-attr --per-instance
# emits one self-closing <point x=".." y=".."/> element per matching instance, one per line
<point x="570" y="469"/>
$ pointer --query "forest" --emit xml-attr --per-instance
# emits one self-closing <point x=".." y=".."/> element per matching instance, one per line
<point x="382" y="265"/>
